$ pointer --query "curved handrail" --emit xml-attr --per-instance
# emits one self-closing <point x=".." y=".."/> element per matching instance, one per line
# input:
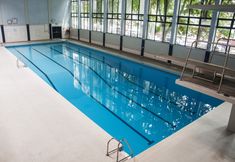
<point x="129" y="147"/>
<point x="107" y="150"/>
<point x="227" y="50"/>
<point x="18" y="63"/>
<point x="186" y="62"/>
<point x="217" y="43"/>
<point x="119" y="148"/>
<point x="213" y="43"/>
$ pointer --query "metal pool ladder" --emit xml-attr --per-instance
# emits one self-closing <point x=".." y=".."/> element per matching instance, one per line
<point x="18" y="64"/>
<point x="119" y="148"/>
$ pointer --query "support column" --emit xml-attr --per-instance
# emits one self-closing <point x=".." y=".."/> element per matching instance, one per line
<point x="145" y="26"/>
<point x="28" y="32"/>
<point x="50" y="31"/>
<point x="231" y="123"/>
<point x="49" y="19"/>
<point x="174" y="27"/>
<point x="212" y="32"/>
<point x="123" y="11"/>
<point x="79" y="18"/>
<point x="105" y="20"/>
<point x="3" y="34"/>
<point x="90" y="19"/>
<point x="26" y="13"/>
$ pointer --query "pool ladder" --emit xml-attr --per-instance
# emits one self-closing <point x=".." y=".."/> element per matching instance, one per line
<point x="18" y="64"/>
<point x="118" y="149"/>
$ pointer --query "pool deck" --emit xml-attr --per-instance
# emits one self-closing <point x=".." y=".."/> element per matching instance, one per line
<point x="38" y="125"/>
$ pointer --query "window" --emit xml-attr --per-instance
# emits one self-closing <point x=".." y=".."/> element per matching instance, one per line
<point x="193" y="24"/>
<point x="85" y="9"/>
<point x="97" y="15"/>
<point x="114" y="16"/>
<point x="225" y="27"/>
<point x="134" y="18"/>
<point x="74" y="14"/>
<point x="160" y="19"/>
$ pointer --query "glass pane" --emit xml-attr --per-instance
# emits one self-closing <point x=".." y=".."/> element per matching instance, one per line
<point x="181" y="34"/>
<point x="151" y="30"/>
<point x="158" y="31"/>
<point x="191" y="35"/>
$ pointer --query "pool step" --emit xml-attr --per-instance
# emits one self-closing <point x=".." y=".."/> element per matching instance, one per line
<point x="118" y="149"/>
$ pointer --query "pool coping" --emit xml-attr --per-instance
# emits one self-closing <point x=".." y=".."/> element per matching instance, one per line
<point x="156" y="146"/>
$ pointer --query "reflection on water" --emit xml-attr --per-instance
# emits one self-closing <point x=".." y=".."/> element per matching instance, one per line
<point x="142" y="103"/>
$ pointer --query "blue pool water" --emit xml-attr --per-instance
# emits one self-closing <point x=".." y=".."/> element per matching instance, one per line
<point x="127" y="99"/>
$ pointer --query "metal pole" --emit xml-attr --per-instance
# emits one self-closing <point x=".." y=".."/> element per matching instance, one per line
<point x="79" y="14"/>
<point x="145" y="26"/>
<point x="174" y="22"/>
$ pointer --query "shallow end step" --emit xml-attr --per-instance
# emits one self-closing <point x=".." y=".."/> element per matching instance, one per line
<point x="205" y="90"/>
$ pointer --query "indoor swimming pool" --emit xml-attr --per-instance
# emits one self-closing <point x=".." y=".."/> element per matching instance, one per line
<point x="128" y="100"/>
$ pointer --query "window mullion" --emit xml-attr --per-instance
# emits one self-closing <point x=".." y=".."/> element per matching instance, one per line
<point x="123" y="15"/>
<point x="90" y="15"/>
<point x="105" y="18"/>
<point x="214" y="21"/>
<point x="145" y="21"/>
<point x="174" y="22"/>
<point x="79" y="14"/>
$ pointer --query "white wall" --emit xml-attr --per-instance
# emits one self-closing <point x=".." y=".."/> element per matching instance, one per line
<point x="132" y="45"/>
<point x="156" y="48"/>
<point x="97" y="37"/>
<point x="37" y="13"/>
<point x="39" y="32"/>
<point x="15" y="33"/>
<point x="219" y="58"/>
<point x="182" y="52"/>
<point x="74" y="33"/>
<point x="112" y="41"/>
<point x="13" y="9"/>
<point x="84" y="35"/>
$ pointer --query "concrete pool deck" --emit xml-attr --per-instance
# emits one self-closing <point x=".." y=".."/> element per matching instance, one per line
<point x="38" y="124"/>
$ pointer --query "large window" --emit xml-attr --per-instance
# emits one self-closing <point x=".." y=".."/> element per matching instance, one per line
<point x="85" y="9"/>
<point x="134" y="18"/>
<point x="97" y="15"/>
<point x="193" y="24"/>
<point x="74" y="14"/>
<point x="160" y="19"/>
<point x="114" y="16"/>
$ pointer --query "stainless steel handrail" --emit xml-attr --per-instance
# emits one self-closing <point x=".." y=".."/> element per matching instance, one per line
<point x="190" y="50"/>
<point x="18" y="64"/>
<point x="129" y="147"/>
<point x="108" y="143"/>
<point x="227" y="50"/>
<point x="217" y="43"/>
<point x="119" y="148"/>
<point x="224" y="68"/>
